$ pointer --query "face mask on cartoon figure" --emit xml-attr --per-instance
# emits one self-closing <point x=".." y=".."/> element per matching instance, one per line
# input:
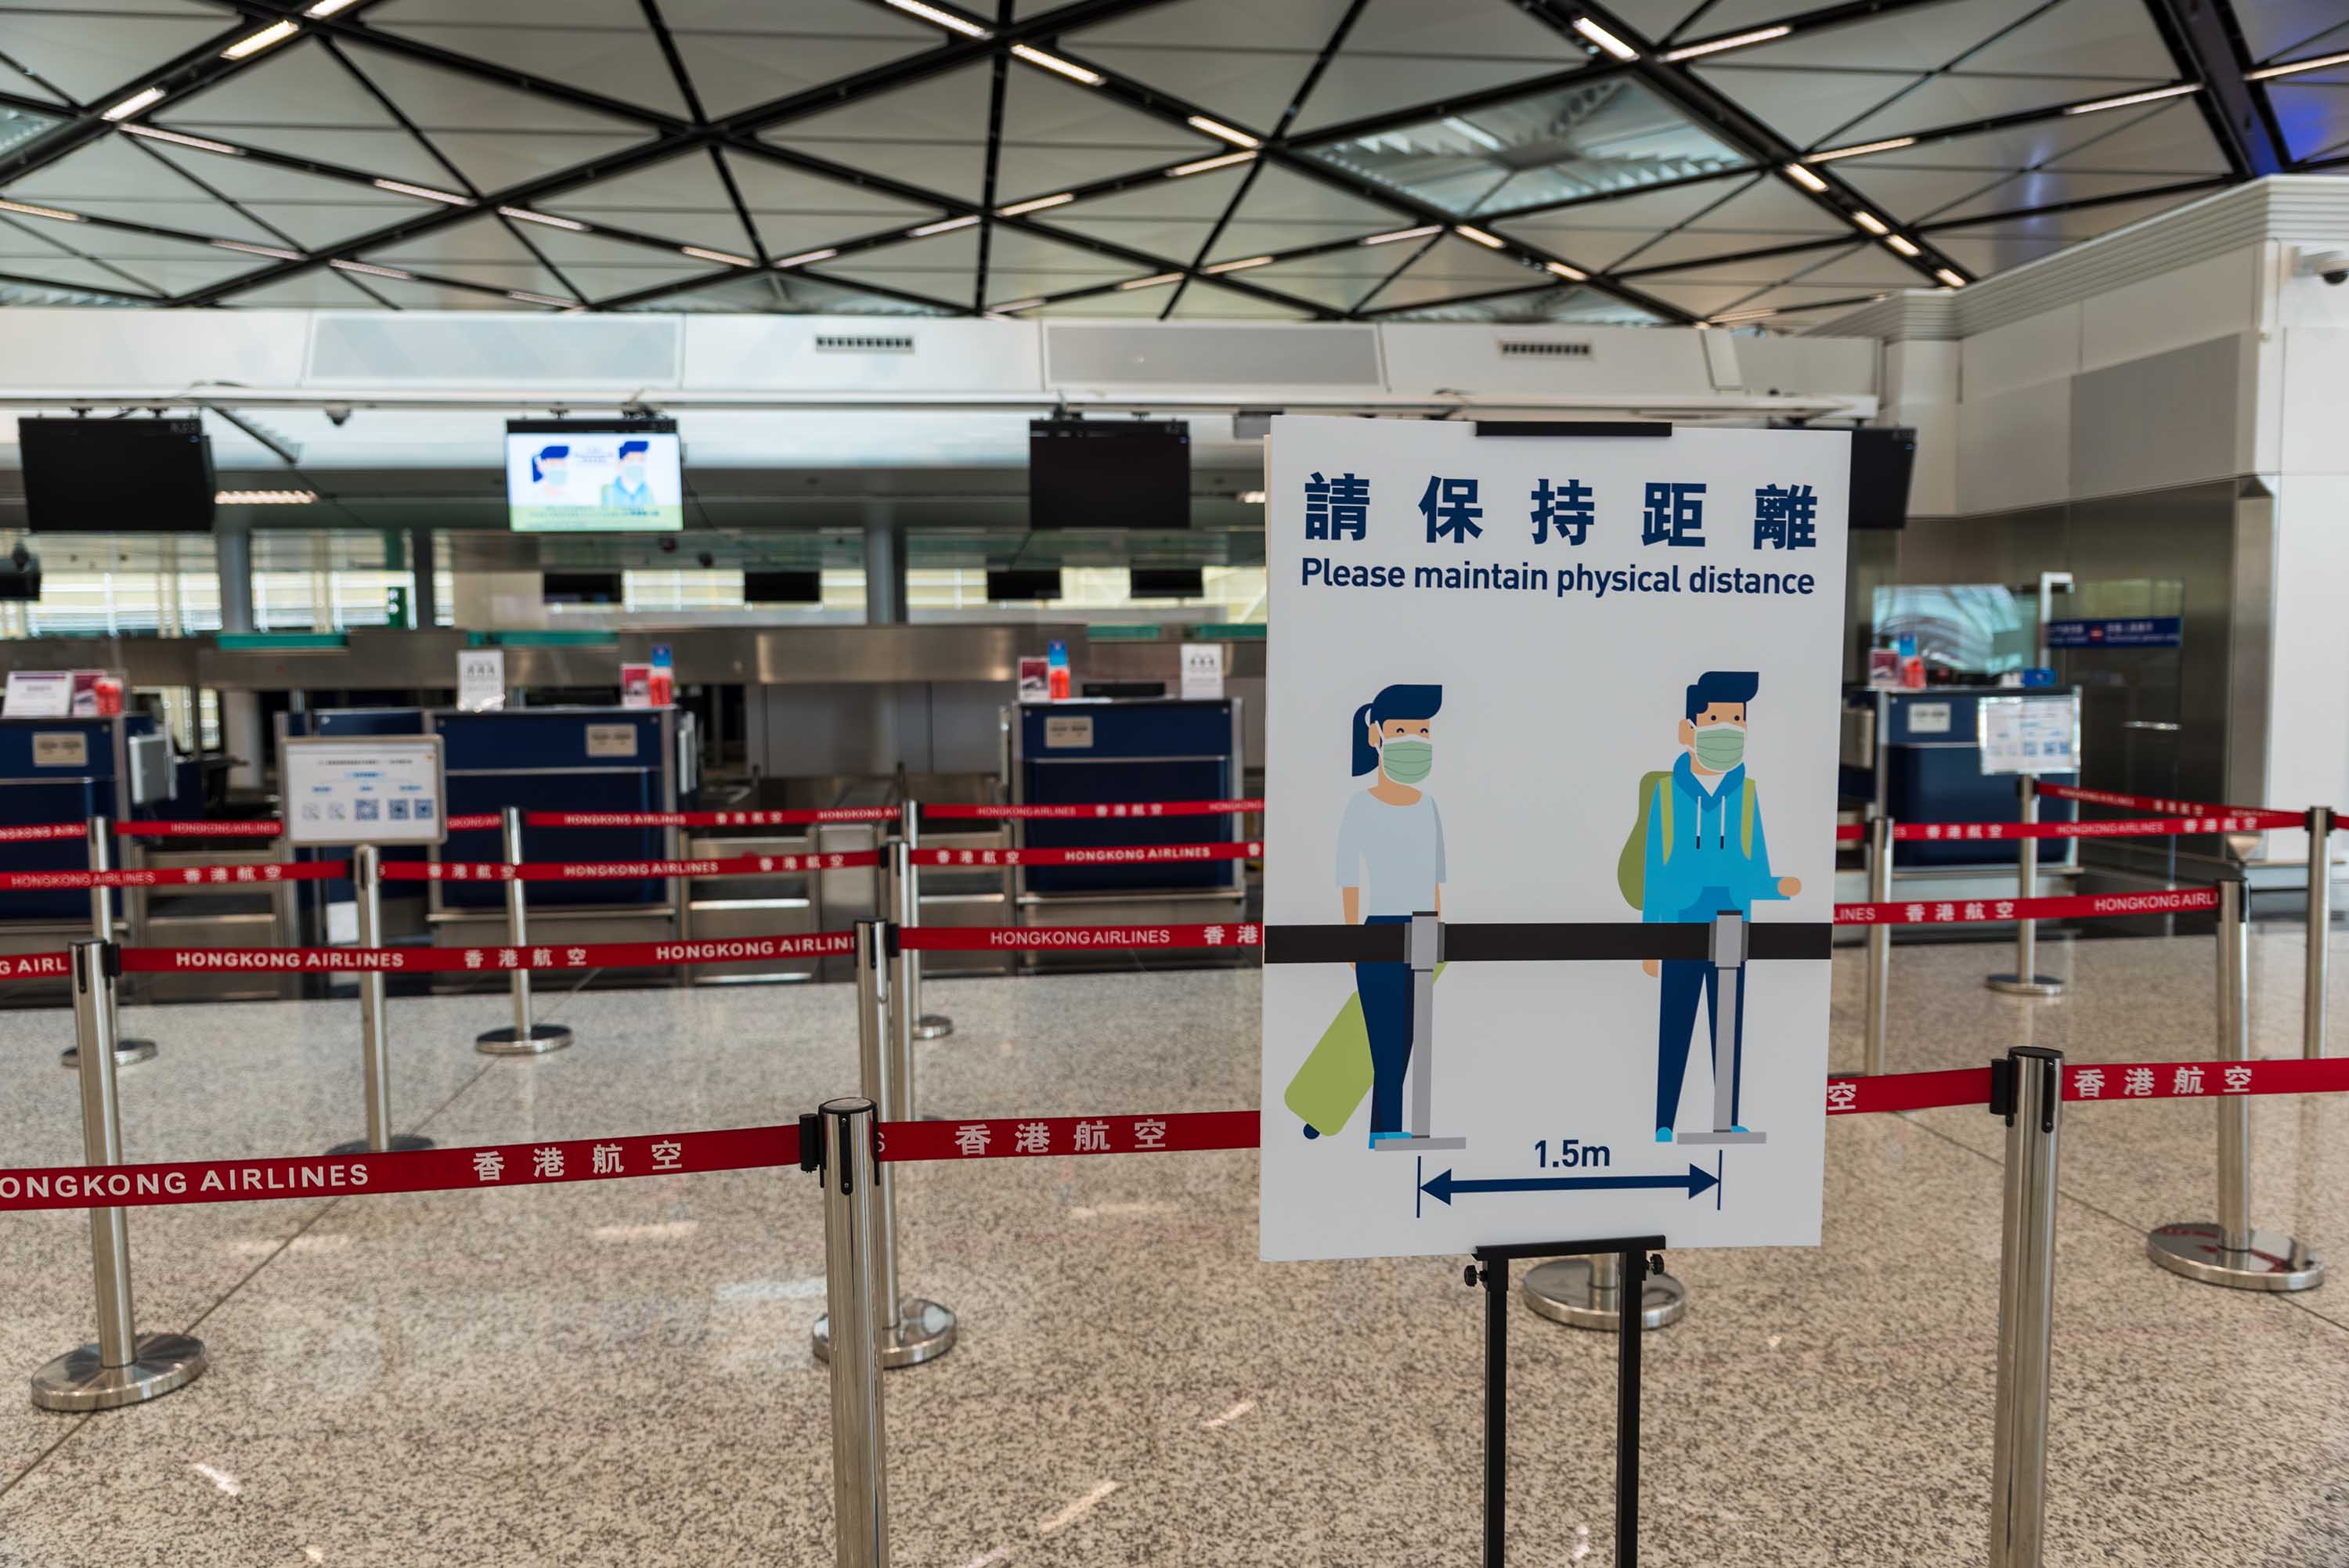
<point x="1721" y="746"/>
<point x="1407" y="761"/>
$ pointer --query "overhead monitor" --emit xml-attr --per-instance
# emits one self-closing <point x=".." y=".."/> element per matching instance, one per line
<point x="134" y="475"/>
<point x="1880" y="463"/>
<point x="594" y="476"/>
<point x="1109" y="473"/>
<point x="582" y="588"/>
<point x="1167" y="583"/>
<point x="782" y="587"/>
<point x="1027" y="584"/>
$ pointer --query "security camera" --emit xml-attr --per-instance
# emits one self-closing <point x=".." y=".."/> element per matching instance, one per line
<point x="2333" y="266"/>
<point x="338" y="413"/>
<point x="707" y="559"/>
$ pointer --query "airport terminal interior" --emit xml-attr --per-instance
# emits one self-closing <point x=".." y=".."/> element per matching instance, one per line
<point x="1304" y="783"/>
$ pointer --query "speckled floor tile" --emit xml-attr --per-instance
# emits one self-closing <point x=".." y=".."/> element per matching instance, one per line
<point x="619" y="1374"/>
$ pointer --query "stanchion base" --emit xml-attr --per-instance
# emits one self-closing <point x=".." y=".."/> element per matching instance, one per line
<point x="511" y="1042"/>
<point x="1561" y="1291"/>
<point x="933" y="1026"/>
<point x="2271" y="1262"/>
<point x="2017" y="985"/>
<point x="125" y="1053"/>
<point x="75" y="1381"/>
<point x="401" y="1144"/>
<point x="924" y="1332"/>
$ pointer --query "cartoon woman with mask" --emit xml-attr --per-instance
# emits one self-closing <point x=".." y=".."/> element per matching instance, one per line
<point x="1389" y="866"/>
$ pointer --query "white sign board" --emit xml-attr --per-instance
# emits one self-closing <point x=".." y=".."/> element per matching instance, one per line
<point x="384" y="789"/>
<point x="1203" y="671"/>
<point x="1068" y="731"/>
<point x="61" y="748"/>
<point x="611" y="740"/>
<point x="1546" y="679"/>
<point x="38" y="694"/>
<point x="1929" y="719"/>
<point x="2029" y="733"/>
<point x="480" y="679"/>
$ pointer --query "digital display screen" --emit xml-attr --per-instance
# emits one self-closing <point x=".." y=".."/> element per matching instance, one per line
<point x="116" y="475"/>
<point x="612" y="477"/>
<point x="1109" y="473"/>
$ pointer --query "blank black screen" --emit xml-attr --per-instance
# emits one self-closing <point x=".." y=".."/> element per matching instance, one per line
<point x="1005" y="587"/>
<point x="1109" y="473"/>
<point x="1167" y="583"/>
<point x="116" y="475"/>
<point x="1880" y="461"/>
<point x="582" y="588"/>
<point x="782" y="587"/>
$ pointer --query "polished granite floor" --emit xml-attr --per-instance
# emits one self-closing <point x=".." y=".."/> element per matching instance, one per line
<point x="618" y="1372"/>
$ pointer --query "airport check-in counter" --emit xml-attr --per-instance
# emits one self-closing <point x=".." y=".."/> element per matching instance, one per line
<point x="68" y="770"/>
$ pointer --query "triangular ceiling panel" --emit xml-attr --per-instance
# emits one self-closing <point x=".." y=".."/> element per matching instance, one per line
<point x="1595" y="235"/>
<point x="2082" y="38"/>
<point x="1020" y="266"/>
<point x="1337" y="279"/>
<point x="598" y="267"/>
<point x="498" y="136"/>
<point x="940" y="267"/>
<point x="924" y="135"/>
<point x="214" y="220"/>
<point x="479" y="250"/>
<point x="112" y="167"/>
<point x="1809" y="109"/>
<point x="191" y="268"/>
<point x="313" y="210"/>
<point x="1207" y="302"/>
<point x="2045" y="188"/>
<point x="300" y="101"/>
<point x="1170" y="218"/>
<point x="743" y="53"/>
<point x="1992" y="251"/>
<point x="1172" y="47"/>
<point x="321" y="288"/>
<point x="2072" y="227"/>
<point x="1867" y="266"/>
<point x="431" y="296"/>
<point x="1911" y="38"/>
<point x="1691" y="247"/>
<point x="682" y="200"/>
<point x="2173" y="139"/>
<point x="1659" y="20"/>
<point x="1769" y="205"/>
<point x="90" y="48"/>
<point x="325" y="225"/>
<point x="1702" y="299"/>
<point x="1285" y="210"/>
<point x="2292" y="29"/>
<point x="1453" y="267"/>
<point x="799" y="212"/>
<point x="1956" y="100"/>
<point x="1402" y="53"/>
<point x="1057" y="134"/>
<point x="602" y="46"/>
<point x="1127" y="304"/>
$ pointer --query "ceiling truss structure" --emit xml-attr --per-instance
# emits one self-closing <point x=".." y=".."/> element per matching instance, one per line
<point x="1669" y="161"/>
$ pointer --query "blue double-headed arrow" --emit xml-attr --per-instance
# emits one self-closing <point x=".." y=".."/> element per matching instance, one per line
<point x="1443" y="1184"/>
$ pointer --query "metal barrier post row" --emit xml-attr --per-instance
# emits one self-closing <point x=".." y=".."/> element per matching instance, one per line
<point x="523" y="1037"/>
<point x="366" y="878"/>
<point x="2231" y="1250"/>
<point x="2320" y="931"/>
<point x="1879" y="969"/>
<point x="926" y="1026"/>
<point x="125" y="1366"/>
<point x="907" y="1330"/>
<point x="102" y="929"/>
<point x="2026" y="980"/>
<point x="848" y="1132"/>
<point x="2027" y="1089"/>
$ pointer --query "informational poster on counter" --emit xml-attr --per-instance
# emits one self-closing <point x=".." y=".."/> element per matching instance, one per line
<point x="2029" y="733"/>
<point x="384" y="789"/>
<point x="1531" y="679"/>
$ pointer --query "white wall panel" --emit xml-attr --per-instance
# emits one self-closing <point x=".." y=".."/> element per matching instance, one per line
<point x="2313" y="411"/>
<point x="2308" y="731"/>
<point x="2015" y="450"/>
<point x="2213" y="298"/>
<point x="1921" y="390"/>
<point x="165" y="350"/>
<point x="2044" y="347"/>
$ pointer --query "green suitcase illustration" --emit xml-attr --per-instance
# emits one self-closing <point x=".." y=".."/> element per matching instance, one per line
<point x="1328" y="1088"/>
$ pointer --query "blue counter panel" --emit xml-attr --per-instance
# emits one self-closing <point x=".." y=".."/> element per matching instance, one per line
<point x="1149" y="750"/>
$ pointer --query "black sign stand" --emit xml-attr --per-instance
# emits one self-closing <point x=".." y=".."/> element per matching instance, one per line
<point x="1490" y="1270"/>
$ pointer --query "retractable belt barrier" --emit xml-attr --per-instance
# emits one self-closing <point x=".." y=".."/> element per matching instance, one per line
<point x="227" y="878"/>
<point x="1091" y="855"/>
<point x="591" y="870"/>
<point x="707" y="818"/>
<point x="41" y="832"/>
<point x="546" y="1162"/>
<point x="1029" y="938"/>
<point x="2263" y="818"/>
<point x="1945" y="832"/>
<point x="2068" y="906"/>
<point x="1092" y="809"/>
<point x="198" y="828"/>
<point x="443" y="960"/>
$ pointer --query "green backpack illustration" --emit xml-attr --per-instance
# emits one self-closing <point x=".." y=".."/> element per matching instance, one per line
<point x="1631" y="865"/>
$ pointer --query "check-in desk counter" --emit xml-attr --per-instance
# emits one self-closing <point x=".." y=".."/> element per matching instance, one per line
<point x="68" y="770"/>
<point x="1093" y="752"/>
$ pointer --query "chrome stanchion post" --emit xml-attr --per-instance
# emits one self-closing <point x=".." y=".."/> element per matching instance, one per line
<point x="521" y="1037"/>
<point x="1879" y="944"/>
<point x="2028" y="1090"/>
<point x="2320" y="931"/>
<point x="1585" y="1293"/>
<point x="2231" y="1250"/>
<point x="366" y="878"/>
<point x="2026" y="980"/>
<point x="125" y="1366"/>
<point x="853" y="1289"/>
<point x="102" y="929"/>
<point x="926" y="1026"/>
<point x="908" y="1330"/>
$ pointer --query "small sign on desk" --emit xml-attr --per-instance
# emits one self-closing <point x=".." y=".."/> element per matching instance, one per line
<point x="386" y="790"/>
<point x="2030" y="734"/>
<point x="482" y="680"/>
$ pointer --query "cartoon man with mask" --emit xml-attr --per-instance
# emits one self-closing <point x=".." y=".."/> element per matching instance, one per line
<point x="1697" y="851"/>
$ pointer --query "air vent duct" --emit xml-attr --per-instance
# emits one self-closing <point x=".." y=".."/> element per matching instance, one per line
<point x="1543" y="348"/>
<point x="864" y="343"/>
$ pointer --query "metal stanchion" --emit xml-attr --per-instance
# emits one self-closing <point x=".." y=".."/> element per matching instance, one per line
<point x="521" y="1037"/>
<point x="926" y="1026"/>
<point x="102" y="929"/>
<point x="1586" y="1293"/>
<point x="2229" y="1251"/>
<point x="2026" y="980"/>
<point x="1879" y="944"/>
<point x="908" y="1330"/>
<point x="2320" y="930"/>
<point x="366" y="877"/>
<point x="125" y="1366"/>
<point x="2028" y="1091"/>
<point x="854" y="1288"/>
